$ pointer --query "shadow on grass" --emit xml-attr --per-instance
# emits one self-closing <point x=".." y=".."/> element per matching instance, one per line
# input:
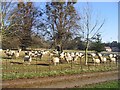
<point x="42" y="64"/>
<point x="16" y="62"/>
<point x="6" y="58"/>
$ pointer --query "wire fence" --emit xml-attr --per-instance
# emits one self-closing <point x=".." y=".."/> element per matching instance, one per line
<point x="18" y="69"/>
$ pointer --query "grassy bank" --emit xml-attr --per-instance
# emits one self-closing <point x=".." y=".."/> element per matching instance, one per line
<point x="107" y="84"/>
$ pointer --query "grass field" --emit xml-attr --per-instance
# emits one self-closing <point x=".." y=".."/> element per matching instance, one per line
<point x="108" y="84"/>
<point x="16" y="68"/>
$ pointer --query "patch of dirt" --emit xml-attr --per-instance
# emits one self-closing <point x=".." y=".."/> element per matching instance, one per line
<point x="67" y="81"/>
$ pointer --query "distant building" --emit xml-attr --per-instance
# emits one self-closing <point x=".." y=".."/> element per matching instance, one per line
<point x="108" y="49"/>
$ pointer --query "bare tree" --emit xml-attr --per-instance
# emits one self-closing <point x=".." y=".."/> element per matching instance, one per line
<point x="90" y="25"/>
<point x="6" y="16"/>
<point x="18" y="20"/>
<point x="24" y="21"/>
<point x="61" y="22"/>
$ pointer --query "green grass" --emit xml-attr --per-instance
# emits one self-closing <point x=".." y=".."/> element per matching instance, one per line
<point x="14" y="75"/>
<point x="107" y="84"/>
<point x="31" y="71"/>
<point x="43" y="68"/>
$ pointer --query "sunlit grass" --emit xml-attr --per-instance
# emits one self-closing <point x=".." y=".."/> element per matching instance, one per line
<point x="16" y="68"/>
<point x="107" y="84"/>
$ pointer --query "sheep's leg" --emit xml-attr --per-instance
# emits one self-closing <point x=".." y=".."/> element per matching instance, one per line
<point x="55" y="63"/>
<point x="94" y="63"/>
<point x="98" y="63"/>
<point x="67" y="61"/>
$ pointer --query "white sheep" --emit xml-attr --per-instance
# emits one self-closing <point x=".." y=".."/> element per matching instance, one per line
<point x="103" y="59"/>
<point x="114" y="55"/>
<point x="39" y="55"/>
<point x="110" y="55"/>
<point x="55" y="60"/>
<point x="76" y="58"/>
<point x="68" y="57"/>
<point x="77" y="53"/>
<point x="72" y="55"/>
<point x="112" y="58"/>
<point x="9" y="53"/>
<point x="45" y="52"/>
<point x="80" y="55"/>
<point x="17" y="54"/>
<point x="93" y="54"/>
<point x="100" y="54"/>
<point x="96" y="61"/>
<point x="62" y="55"/>
<point x="55" y="52"/>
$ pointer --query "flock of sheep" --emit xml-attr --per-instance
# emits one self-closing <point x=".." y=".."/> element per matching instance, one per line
<point x="56" y="58"/>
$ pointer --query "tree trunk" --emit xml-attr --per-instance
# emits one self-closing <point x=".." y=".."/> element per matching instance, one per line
<point x="86" y="53"/>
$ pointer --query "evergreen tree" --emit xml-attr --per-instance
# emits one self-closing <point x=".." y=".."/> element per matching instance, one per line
<point x="98" y="46"/>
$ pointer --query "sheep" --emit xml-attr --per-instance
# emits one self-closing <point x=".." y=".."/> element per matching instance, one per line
<point x="55" y="60"/>
<point x="51" y="55"/>
<point x="112" y="58"/>
<point x="62" y="56"/>
<point x="81" y="55"/>
<point x="12" y="52"/>
<point x="44" y="53"/>
<point x="68" y="57"/>
<point x="72" y="55"/>
<point x="37" y="54"/>
<point x="17" y="54"/>
<point x="75" y="58"/>
<point x="114" y="55"/>
<point x="110" y="55"/>
<point x="93" y="54"/>
<point x="96" y="61"/>
<point x="55" y="52"/>
<point x="27" y="58"/>
<point x="9" y="53"/>
<point x="103" y="59"/>
<point x="33" y="53"/>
